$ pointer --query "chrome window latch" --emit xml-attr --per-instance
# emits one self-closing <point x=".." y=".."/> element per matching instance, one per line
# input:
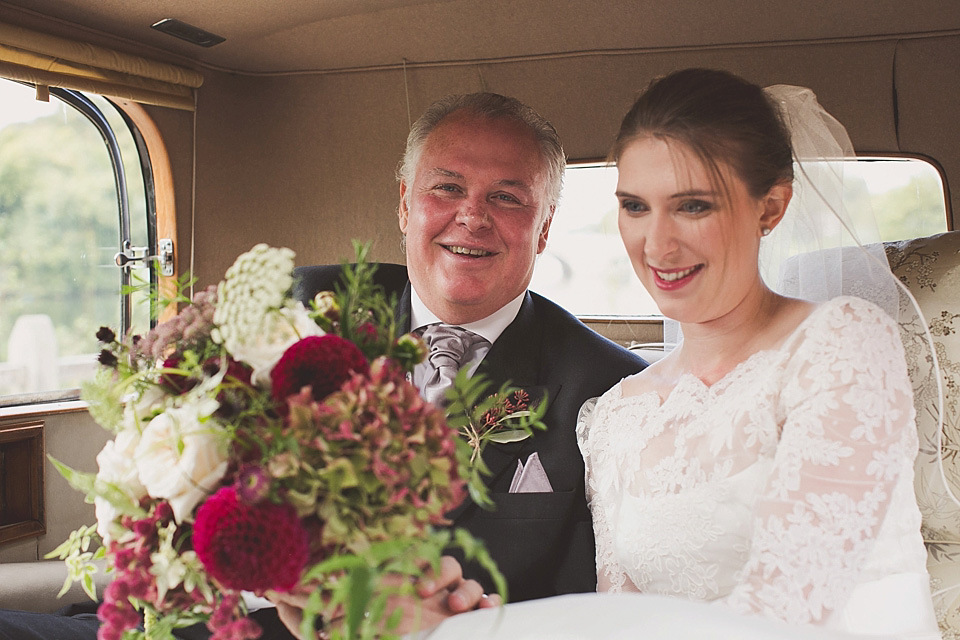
<point x="139" y="254"/>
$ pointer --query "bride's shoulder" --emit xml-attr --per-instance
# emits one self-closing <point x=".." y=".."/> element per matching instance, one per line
<point x="845" y="314"/>
<point x="651" y="379"/>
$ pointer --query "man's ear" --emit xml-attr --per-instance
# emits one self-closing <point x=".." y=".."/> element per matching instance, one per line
<point x="775" y="205"/>
<point x="545" y="230"/>
<point x="403" y="213"/>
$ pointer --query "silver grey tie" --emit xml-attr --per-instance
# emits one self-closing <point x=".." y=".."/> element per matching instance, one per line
<point x="448" y="345"/>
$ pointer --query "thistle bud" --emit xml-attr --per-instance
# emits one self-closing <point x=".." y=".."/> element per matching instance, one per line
<point x="326" y="304"/>
<point x="410" y="350"/>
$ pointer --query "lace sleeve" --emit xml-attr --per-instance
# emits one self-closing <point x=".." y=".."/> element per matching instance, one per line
<point x="848" y="433"/>
<point x="593" y="444"/>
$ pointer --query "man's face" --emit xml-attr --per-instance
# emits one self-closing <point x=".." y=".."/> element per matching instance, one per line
<point x="477" y="217"/>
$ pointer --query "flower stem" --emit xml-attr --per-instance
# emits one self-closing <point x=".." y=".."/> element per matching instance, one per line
<point x="149" y="622"/>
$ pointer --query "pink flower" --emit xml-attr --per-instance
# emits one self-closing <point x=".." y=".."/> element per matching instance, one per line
<point x="226" y="626"/>
<point x="252" y="547"/>
<point x="253" y="484"/>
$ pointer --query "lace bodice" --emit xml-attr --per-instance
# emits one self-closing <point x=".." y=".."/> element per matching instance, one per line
<point x="780" y="489"/>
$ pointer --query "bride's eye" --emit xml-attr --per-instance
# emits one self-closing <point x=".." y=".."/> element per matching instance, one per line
<point x="696" y="207"/>
<point x="632" y="207"/>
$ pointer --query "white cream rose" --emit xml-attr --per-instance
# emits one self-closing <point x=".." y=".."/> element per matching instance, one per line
<point x="116" y="466"/>
<point x="138" y="411"/>
<point x="182" y="455"/>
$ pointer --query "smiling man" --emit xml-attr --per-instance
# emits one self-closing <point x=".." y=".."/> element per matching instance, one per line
<point x="479" y="183"/>
<point x="476" y="212"/>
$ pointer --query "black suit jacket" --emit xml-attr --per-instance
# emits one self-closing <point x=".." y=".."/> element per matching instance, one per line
<point x="542" y="542"/>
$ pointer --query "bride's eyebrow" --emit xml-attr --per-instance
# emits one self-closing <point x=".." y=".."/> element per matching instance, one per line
<point x="694" y="193"/>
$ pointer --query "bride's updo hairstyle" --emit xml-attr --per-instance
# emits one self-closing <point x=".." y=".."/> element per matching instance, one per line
<point x="720" y="117"/>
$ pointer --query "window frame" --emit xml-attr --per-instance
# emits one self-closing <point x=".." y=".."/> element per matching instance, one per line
<point x="99" y="120"/>
<point x="156" y="173"/>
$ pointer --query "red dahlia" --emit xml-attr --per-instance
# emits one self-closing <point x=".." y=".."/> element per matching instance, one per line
<point x="323" y="362"/>
<point x="250" y="547"/>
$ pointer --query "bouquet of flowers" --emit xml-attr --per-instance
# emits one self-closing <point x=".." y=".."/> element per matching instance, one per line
<point x="261" y="445"/>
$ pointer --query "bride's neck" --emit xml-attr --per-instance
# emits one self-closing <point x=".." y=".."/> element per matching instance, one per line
<point x="712" y="349"/>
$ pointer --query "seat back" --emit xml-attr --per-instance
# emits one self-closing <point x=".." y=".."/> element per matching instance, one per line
<point x="930" y="268"/>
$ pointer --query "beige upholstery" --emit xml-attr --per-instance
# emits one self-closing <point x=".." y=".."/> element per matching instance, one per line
<point x="33" y="586"/>
<point x="930" y="267"/>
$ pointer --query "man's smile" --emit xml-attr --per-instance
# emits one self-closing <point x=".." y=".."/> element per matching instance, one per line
<point x="466" y="251"/>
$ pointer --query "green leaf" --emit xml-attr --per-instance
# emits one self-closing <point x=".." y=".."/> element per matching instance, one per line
<point x="83" y="482"/>
<point x="88" y="586"/>
<point x="361" y="590"/>
<point x="474" y="549"/>
<point x="513" y="435"/>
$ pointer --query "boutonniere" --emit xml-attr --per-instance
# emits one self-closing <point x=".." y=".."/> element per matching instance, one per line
<point x="508" y="415"/>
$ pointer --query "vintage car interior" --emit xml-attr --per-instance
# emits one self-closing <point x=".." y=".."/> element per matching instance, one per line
<point x="283" y="123"/>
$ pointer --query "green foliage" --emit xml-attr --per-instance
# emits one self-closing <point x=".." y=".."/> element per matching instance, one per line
<point x="78" y="556"/>
<point x="58" y="228"/>
<point x="361" y="311"/>
<point x="911" y="211"/>
<point x="393" y="566"/>
<point x="481" y="418"/>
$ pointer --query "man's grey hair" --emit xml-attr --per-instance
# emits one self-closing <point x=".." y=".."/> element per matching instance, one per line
<point x="493" y="106"/>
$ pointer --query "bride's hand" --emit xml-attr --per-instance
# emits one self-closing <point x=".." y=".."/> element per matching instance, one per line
<point x="440" y="596"/>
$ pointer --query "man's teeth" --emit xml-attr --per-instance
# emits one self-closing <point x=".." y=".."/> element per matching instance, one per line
<point x="469" y="252"/>
<point x="675" y="275"/>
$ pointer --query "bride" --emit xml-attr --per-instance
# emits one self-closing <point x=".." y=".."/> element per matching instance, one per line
<point x="766" y="464"/>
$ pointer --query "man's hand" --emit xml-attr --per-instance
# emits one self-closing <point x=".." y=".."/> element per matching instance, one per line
<point x="459" y="595"/>
<point x="441" y="595"/>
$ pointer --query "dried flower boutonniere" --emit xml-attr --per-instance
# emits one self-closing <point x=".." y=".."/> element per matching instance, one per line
<point x="502" y="417"/>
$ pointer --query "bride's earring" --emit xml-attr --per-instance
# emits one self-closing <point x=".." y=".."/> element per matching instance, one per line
<point x="764" y="231"/>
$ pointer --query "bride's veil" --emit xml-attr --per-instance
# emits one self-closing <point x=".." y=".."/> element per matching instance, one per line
<point x="828" y="243"/>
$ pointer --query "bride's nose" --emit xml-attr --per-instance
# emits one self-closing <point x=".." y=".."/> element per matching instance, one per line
<point x="660" y="236"/>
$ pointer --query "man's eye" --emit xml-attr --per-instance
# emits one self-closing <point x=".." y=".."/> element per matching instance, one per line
<point x="696" y="207"/>
<point x="451" y="188"/>
<point x="506" y="197"/>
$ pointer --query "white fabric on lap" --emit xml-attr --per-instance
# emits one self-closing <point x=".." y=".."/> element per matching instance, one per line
<point x="624" y="616"/>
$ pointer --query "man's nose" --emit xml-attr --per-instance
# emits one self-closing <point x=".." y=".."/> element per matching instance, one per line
<point x="473" y="214"/>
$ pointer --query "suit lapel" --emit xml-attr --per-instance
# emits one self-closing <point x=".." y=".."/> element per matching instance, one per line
<point x="402" y="312"/>
<point x="515" y="358"/>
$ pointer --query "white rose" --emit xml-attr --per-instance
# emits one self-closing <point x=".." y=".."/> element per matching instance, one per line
<point x="136" y="411"/>
<point x="182" y="456"/>
<point x="116" y="466"/>
<point x="107" y="515"/>
<point x="281" y="329"/>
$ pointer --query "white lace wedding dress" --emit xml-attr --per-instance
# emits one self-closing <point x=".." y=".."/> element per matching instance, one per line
<point x="785" y="490"/>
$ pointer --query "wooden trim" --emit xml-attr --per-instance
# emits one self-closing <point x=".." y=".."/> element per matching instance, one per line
<point x="15" y="412"/>
<point x="163" y="191"/>
<point x="21" y="481"/>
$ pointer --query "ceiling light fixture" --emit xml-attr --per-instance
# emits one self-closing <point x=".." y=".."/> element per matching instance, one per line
<point x="187" y="32"/>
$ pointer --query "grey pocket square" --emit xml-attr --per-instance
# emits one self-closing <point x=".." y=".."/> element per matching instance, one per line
<point x="530" y="477"/>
